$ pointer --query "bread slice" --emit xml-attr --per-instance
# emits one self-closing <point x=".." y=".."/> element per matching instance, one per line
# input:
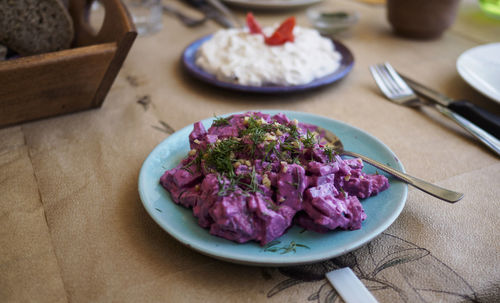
<point x="35" y="26"/>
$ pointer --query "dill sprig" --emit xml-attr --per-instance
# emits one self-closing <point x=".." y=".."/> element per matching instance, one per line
<point x="292" y="247"/>
<point x="219" y="156"/>
<point x="309" y="140"/>
<point x="238" y="182"/>
<point x="293" y="130"/>
<point x="195" y="161"/>
<point x="329" y="152"/>
<point x="221" y="121"/>
<point x="256" y="130"/>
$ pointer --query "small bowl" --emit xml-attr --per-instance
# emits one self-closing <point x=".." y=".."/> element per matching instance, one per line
<point x="330" y="22"/>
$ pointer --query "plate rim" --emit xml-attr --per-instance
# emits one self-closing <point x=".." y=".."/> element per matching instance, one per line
<point x="190" y="66"/>
<point x="297" y="260"/>
<point x="465" y="75"/>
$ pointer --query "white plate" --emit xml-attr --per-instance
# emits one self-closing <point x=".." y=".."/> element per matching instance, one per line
<point x="480" y="67"/>
<point x="272" y="4"/>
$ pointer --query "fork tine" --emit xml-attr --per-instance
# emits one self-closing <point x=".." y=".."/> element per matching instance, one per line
<point x="392" y="85"/>
<point x="395" y="76"/>
<point x="390" y="80"/>
<point x="380" y="82"/>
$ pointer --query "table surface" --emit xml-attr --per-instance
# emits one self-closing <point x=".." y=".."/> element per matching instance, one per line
<point x="72" y="226"/>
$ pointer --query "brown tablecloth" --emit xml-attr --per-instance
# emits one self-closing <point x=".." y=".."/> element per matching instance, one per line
<point x="72" y="226"/>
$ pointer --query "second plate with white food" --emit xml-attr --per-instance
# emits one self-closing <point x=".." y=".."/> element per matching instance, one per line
<point x="189" y="62"/>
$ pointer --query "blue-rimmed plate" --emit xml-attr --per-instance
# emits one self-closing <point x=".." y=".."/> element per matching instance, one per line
<point x="180" y="223"/>
<point x="189" y="62"/>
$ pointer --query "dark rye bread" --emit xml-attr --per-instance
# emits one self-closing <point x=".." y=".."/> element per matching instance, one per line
<point x="35" y="26"/>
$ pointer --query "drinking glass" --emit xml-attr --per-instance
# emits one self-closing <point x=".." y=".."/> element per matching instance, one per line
<point x="146" y="14"/>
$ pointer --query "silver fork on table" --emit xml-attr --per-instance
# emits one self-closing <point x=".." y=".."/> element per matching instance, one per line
<point x="398" y="91"/>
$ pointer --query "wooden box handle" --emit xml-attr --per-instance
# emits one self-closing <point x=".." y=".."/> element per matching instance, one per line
<point x="116" y="26"/>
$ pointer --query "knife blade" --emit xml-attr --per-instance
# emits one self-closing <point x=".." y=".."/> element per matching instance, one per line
<point x="211" y="12"/>
<point x="477" y="115"/>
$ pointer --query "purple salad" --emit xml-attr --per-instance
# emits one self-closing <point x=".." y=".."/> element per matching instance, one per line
<point x="252" y="176"/>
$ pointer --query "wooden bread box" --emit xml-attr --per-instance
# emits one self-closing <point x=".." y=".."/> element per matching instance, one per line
<point x="70" y="80"/>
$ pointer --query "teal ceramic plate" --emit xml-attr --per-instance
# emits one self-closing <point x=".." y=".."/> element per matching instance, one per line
<point x="180" y="223"/>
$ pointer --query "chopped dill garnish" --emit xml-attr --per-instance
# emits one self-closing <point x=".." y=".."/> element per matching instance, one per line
<point x="273" y="206"/>
<point x="196" y="160"/>
<point x="273" y="140"/>
<point x="309" y="140"/>
<point x="253" y="186"/>
<point x="270" y="246"/>
<point x="255" y="130"/>
<point x="221" y="121"/>
<point x="238" y="182"/>
<point x="269" y="147"/>
<point x="297" y="173"/>
<point x="219" y="156"/>
<point x="343" y="192"/>
<point x="293" y="131"/>
<point x="292" y="247"/>
<point x="329" y="152"/>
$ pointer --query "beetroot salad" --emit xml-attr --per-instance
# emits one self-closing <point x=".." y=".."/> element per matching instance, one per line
<point x="252" y="176"/>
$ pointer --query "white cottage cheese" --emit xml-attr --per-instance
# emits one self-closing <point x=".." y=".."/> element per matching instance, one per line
<point x="236" y="55"/>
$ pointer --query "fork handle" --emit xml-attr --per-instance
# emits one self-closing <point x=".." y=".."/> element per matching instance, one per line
<point x="434" y="190"/>
<point x="477" y="115"/>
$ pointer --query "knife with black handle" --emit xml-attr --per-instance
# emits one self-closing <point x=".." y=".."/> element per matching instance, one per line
<point x="475" y="114"/>
<point x="481" y="117"/>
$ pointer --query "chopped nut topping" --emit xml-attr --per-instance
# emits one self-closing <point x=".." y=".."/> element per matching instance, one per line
<point x="269" y="137"/>
<point x="266" y="181"/>
<point x="284" y="166"/>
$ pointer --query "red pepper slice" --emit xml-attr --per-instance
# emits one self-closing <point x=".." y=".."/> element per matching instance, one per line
<point x="252" y="24"/>
<point x="283" y="34"/>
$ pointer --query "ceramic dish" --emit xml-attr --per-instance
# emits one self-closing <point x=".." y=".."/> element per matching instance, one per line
<point x="189" y="62"/>
<point x="271" y="4"/>
<point x="331" y="22"/>
<point x="180" y="223"/>
<point x="480" y="67"/>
